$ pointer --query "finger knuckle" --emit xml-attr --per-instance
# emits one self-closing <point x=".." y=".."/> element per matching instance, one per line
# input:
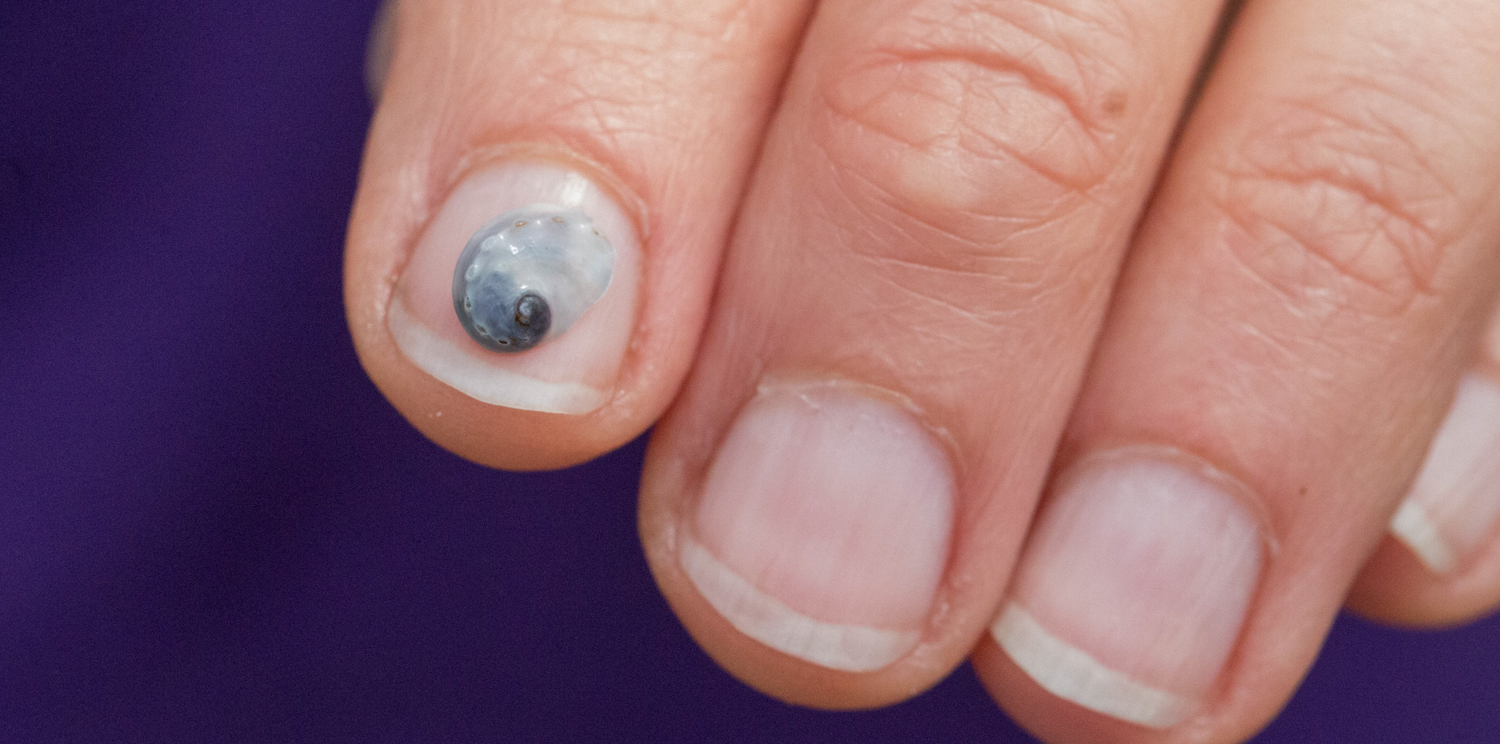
<point x="978" y="121"/>
<point x="1339" y="207"/>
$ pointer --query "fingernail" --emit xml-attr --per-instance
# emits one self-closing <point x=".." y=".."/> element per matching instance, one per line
<point x="1455" y="501"/>
<point x="571" y="369"/>
<point x="823" y="525"/>
<point x="1134" y="584"/>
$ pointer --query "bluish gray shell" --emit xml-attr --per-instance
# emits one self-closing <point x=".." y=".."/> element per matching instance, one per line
<point x="528" y="275"/>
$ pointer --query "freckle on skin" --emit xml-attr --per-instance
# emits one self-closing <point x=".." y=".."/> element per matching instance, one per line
<point x="1115" y="103"/>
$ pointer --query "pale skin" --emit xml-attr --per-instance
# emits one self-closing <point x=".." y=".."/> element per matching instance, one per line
<point x="979" y="208"/>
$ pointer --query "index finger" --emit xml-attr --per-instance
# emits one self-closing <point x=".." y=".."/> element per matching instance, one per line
<point x="642" y="119"/>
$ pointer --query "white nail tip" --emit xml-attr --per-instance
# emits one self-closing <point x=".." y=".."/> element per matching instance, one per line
<point x="1412" y="526"/>
<point x="480" y="380"/>
<point x="849" y="648"/>
<point x="1074" y="675"/>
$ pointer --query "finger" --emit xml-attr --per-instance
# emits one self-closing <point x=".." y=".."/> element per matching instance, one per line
<point x="379" y="47"/>
<point x="1306" y="288"/>
<point x="833" y="505"/>
<point x="632" y="123"/>
<point x="1441" y="565"/>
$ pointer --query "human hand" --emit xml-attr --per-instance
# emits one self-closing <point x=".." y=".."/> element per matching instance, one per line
<point x="926" y="206"/>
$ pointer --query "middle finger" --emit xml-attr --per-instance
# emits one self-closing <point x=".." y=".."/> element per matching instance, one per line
<point x="834" y="504"/>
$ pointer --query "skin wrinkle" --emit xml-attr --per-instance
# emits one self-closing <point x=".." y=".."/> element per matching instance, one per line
<point x="950" y="279"/>
<point x="951" y="253"/>
<point x="1402" y="81"/>
<point x="1289" y="358"/>
<point x="1056" y="29"/>
<point x="1355" y="142"/>
<point x="592" y="67"/>
<point x="653" y="16"/>
<point x="989" y="276"/>
<point x="1378" y="124"/>
<point x="937" y="326"/>
<point x="1348" y="148"/>
<point x="1298" y="215"/>
<point x="948" y="248"/>
<point x="1322" y="340"/>
<point x="933" y="284"/>
<point x="1000" y="66"/>
<point x="953" y="256"/>
<point x="976" y="80"/>
<point x="923" y="50"/>
<point x="1014" y="226"/>
<point x="889" y="263"/>
<point x="590" y="109"/>
<point x="1249" y="270"/>
<point x="1324" y="359"/>
<point x="991" y="318"/>
<point x="1308" y="352"/>
<point x="963" y="351"/>
<point x="1040" y="290"/>
<point x="1333" y="294"/>
<point x="564" y="95"/>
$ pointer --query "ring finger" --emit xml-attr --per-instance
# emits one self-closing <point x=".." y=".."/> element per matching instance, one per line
<point x="1307" y="286"/>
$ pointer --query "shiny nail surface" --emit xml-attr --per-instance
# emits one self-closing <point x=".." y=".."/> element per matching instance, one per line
<point x="823" y="526"/>
<point x="1133" y="585"/>
<point x="575" y="370"/>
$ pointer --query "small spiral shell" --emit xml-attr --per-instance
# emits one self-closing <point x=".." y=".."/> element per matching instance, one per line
<point x="528" y="275"/>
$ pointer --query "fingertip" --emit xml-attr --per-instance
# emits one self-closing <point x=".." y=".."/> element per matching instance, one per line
<point x="1440" y="563"/>
<point x="655" y="164"/>
<point x="546" y="407"/>
<point x="1397" y="588"/>
<point x="807" y="556"/>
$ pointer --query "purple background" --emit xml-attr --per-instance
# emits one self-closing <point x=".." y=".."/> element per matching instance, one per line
<point x="213" y="528"/>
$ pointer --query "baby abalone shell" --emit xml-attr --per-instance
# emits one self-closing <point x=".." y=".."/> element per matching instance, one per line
<point x="526" y="276"/>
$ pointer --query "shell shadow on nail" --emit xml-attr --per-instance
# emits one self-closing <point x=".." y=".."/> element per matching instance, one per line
<point x="528" y="275"/>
